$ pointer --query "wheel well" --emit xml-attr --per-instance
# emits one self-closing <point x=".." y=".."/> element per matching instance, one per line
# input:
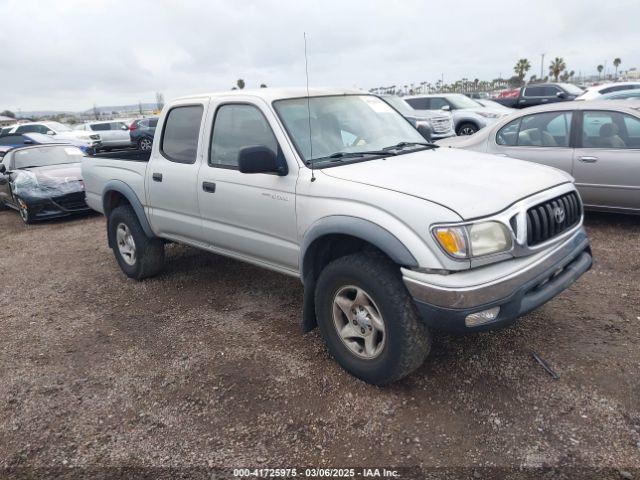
<point x="112" y="200"/>
<point x="328" y="248"/>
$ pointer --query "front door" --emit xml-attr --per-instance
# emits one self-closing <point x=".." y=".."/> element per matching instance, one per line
<point x="172" y="173"/>
<point x="541" y="138"/>
<point x="607" y="163"/>
<point x="248" y="215"/>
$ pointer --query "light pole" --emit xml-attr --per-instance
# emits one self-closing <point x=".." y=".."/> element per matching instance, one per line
<point x="542" y="68"/>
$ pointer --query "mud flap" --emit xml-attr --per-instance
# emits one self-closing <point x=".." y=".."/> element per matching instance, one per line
<point x="309" y="320"/>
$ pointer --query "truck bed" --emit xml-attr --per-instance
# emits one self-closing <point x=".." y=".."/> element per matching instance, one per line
<point x="132" y="155"/>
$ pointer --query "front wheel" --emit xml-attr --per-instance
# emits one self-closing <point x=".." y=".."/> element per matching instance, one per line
<point x="368" y="320"/>
<point x="467" y="129"/>
<point x="25" y="213"/>
<point x="138" y="255"/>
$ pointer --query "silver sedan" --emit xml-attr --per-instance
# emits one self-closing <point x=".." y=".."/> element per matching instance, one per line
<point x="597" y="142"/>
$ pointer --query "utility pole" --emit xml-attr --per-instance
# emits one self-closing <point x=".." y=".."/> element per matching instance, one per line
<point x="542" y="68"/>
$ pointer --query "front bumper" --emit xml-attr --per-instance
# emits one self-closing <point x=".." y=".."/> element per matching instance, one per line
<point x="444" y="301"/>
<point x="59" y="206"/>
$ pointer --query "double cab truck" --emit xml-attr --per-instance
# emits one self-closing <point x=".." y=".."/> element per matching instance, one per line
<point x="390" y="235"/>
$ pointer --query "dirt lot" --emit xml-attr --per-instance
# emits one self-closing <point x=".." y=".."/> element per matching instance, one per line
<point x="206" y="365"/>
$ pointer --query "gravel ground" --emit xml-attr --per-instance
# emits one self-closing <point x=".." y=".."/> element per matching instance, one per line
<point x="206" y="366"/>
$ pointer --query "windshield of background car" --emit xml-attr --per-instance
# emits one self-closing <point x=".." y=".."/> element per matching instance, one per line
<point x="400" y="105"/>
<point x="58" y="127"/>
<point x="46" y="156"/>
<point x="343" y="123"/>
<point x="461" y="101"/>
<point x="571" y="89"/>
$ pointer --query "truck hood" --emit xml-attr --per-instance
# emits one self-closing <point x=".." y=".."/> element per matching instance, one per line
<point x="471" y="184"/>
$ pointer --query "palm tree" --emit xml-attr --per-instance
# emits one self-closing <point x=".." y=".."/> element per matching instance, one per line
<point x="522" y="67"/>
<point x="240" y="83"/>
<point x="556" y="67"/>
<point x="616" y="63"/>
<point x="599" y="68"/>
<point x="263" y="85"/>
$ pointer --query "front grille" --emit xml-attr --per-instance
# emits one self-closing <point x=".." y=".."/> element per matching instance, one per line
<point x="71" y="201"/>
<point x="551" y="218"/>
<point x="441" y="125"/>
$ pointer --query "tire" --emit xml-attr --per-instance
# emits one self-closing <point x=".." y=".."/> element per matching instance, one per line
<point x="145" y="144"/>
<point x="23" y="210"/>
<point x="466" y="128"/>
<point x="406" y="340"/>
<point x="146" y="255"/>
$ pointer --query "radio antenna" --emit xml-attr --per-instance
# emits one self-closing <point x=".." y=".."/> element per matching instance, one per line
<point x="306" y="71"/>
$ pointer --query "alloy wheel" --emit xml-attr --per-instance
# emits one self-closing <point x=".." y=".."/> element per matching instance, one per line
<point x="126" y="244"/>
<point x="358" y="322"/>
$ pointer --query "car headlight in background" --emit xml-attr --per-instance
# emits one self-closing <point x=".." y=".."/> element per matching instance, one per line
<point x="473" y="240"/>
<point x="424" y="123"/>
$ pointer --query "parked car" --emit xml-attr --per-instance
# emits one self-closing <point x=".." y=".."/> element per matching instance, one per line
<point x="540" y="93"/>
<point x="469" y="116"/>
<point x="596" y="142"/>
<point x="142" y="131"/>
<point x="632" y="95"/>
<point x="389" y="235"/>
<point x="596" y="91"/>
<point x="113" y="134"/>
<point x="87" y="142"/>
<point x="432" y="125"/>
<point x="20" y="139"/>
<point x="42" y="181"/>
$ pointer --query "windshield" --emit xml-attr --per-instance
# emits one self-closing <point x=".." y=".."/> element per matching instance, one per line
<point x="399" y="104"/>
<point x="343" y="124"/>
<point x="572" y="89"/>
<point x="58" y="127"/>
<point x="461" y="101"/>
<point x="46" y="156"/>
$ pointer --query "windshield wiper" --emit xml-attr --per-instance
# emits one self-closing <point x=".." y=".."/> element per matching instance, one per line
<point x="401" y="145"/>
<point x="339" y="156"/>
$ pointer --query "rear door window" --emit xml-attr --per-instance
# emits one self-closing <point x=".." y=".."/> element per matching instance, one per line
<point x="181" y="133"/>
<point x="533" y="92"/>
<point x="100" y="127"/>
<point x="550" y="129"/>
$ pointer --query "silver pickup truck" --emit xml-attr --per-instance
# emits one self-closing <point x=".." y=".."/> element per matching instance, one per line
<point x="391" y="236"/>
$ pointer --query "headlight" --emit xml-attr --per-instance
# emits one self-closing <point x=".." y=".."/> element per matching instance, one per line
<point x="423" y="123"/>
<point x="488" y="114"/>
<point x="474" y="240"/>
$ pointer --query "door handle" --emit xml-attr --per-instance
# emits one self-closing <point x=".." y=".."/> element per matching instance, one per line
<point x="157" y="177"/>
<point x="588" y="159"/>
<point x="209" y="187"/>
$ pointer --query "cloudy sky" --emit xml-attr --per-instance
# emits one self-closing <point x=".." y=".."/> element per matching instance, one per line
<point x="70" y="54"/>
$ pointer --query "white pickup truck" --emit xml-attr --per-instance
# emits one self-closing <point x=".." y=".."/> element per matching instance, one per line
<point x="390" y="236"/>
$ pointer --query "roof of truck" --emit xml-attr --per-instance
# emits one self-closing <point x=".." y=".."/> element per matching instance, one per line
<point x="270" y="94"/>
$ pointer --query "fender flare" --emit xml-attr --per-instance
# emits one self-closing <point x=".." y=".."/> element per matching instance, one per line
<point x="126" y="191"/>
<point x="359" y="228"/>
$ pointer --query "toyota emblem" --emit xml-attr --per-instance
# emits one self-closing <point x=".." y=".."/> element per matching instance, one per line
<point x="559" y="214"/>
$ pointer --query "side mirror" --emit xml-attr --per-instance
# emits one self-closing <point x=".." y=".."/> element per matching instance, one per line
<point x="259" y="160"/>
<point x="446" y="108"/>
<point x="3" y="168"/>
<point x="561" y="95"/>
<point x="27" y="141"/>
<point x="50" y="132"/>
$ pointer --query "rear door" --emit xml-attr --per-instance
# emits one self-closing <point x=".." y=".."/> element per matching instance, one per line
<point x="248" y="215"/>
<point x="543" y="138"/>
<point x="607" y="161"/>
<point x="172" y="174"/>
